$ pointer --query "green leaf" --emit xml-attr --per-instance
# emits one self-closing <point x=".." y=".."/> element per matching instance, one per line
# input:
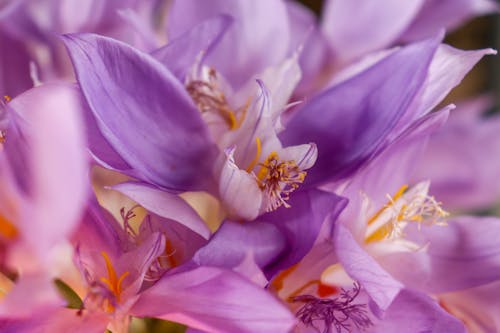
<point x="73" y="300"/>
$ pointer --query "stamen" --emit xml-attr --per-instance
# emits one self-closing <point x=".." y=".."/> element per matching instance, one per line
<point x="422" y="209"/>
<point x="7" y="98"/>
<point x="333" y="313"/>
<point x="3" y="136"/>
<point x="406" y="206"/>
<point x="126" y="217"/>
<point x="209" y="98"/>
<point x="278" y="179"/>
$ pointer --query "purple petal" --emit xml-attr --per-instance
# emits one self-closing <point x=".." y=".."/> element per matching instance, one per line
<point x="315" y="55"/>
<point x="101" y="150"/>
<point x="389" y="171"/>
<point x="239" y="56"/>
<point x="350" y="121"/>
<point x="301" y="224"/>
<point x="469" y="186"/>
<point x="57" y="162"/>
<point x="143" y="111"/>
<point x="233" y="241"/>
<point x="31" y="294"/>
<point x="165" y="205"/>
<point x="14" y="67"/>
<point x="239" y="192"/>
<point x="412" y="312"/>
<point x="378" y="24"/>
<point x="476" y="307"/>
<point x="447" y="69"/>
<point x="437" y="14"/>
<point x="180" y="54"/>
<point x="145" y="37"/>
<point x="378" y="284"/>
<point x="214" y="300"/>
<point x="99" y="230"/>
<point x="463" y="254"/>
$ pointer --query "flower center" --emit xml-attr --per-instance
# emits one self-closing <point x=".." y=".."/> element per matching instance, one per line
<point x="277" y="179"/>
<point x="209" y="98"/>
<point x="408" y="205"/>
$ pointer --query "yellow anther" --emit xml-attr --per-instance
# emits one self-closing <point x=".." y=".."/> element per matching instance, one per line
<point x="278" y="179"/>
<point x="404" y="207"/>
<point x="208" y="97"/>
<point x="396" y="196"/>
<point x="7" y="98"/>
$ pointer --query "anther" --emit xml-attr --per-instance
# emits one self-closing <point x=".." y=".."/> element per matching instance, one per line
<point x="277" y="179"/>
<point x="209" y="98"/>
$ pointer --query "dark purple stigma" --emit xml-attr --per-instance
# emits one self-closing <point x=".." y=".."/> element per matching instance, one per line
<point x="339" y="313"/>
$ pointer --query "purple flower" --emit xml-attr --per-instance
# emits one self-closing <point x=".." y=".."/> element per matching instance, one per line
<point x="147" y="272"/>
<point x="43" y="172"/>
<point x="364" y="115"/>
<point x="249" y="158"/>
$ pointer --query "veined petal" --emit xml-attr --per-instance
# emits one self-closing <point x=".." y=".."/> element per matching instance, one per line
<point x="447" y="69"/>
<point x="239" y="191"/>
<point x="214" y="300"/>
<point x="378" y="283"/>
<point x="143" y="111"/>
<point x="350" y="121"/>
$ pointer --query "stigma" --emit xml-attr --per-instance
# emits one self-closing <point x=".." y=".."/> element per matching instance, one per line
<point x="105" y="293"/>
<point x="278" y="179"/>
<point x="209" y="97"/>
<point x="408" y="205"/>
<point x="339" y="313"/>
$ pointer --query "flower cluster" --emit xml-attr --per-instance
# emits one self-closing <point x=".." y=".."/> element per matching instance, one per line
<point x="243" y="166"/>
